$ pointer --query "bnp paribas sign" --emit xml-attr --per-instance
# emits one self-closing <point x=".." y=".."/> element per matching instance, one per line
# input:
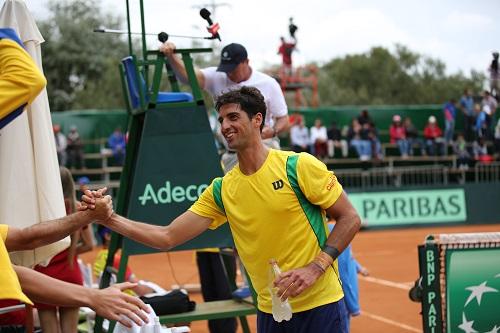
<point x="473" y="290"/>
<point x="410" y="207"/>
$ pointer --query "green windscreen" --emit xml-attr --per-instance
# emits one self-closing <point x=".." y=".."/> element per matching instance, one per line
<point x="176" y="161"/>
<point x="473" y="289"/>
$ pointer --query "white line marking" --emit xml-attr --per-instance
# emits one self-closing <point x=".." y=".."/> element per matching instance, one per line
<point x="391" y="322"/>
<point x="387" y="283"/>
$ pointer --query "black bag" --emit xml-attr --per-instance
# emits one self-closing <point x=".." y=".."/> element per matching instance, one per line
<point x="173" y="302"/>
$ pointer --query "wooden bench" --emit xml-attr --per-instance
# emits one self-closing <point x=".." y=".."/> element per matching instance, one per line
<point x="214" y="310"/>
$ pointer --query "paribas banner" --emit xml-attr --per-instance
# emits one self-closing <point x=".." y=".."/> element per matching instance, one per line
<point x="410" y="207"/>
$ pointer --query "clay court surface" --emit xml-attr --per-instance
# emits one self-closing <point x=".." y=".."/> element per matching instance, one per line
<point x="390" y="255"/>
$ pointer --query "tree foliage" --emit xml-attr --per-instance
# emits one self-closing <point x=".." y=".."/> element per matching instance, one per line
<point x="381" y="77"/>
<point x="81" y="66"/>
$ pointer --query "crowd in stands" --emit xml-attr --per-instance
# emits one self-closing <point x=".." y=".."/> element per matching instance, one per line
<point x="479" y="140"/>
<point x="70" y="147"/>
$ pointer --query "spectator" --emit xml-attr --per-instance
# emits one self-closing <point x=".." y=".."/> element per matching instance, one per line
<point x="494" y="76"/>
<point x="434" y="138"/>
<point x="61" y="145"/>
<point x="480" y="149"/>
<point x="359" y="140"/>
<point x="364" y="118"/>
<point x="481" y="127"/>
<point x="467" y="107"/>
<point x="285" y="50"/>
<point x="335" y="140"/>
<point x="397" y="133"/>
<point x="463" y="155"/>
<point x="319" y="138"/>
<point x="413" y="137"/>
<point x="299" y="136"/>
<point x="64" y="267"/>
<point x="74" y="148"/>
<point x="450" y="113"/>
<point x="117" y="143"/>
<point x="497" y="139"/>
<point x="376" y="147"/>
<point x="490" y="110"/>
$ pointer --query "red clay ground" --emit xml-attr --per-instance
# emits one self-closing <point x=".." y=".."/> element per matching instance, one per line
<point x="390" y="255"/>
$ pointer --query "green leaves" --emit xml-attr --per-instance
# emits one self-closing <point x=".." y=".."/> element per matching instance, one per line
<point x="383" y="77"/>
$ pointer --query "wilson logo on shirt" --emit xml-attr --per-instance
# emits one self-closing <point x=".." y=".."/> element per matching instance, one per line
<point x="278" y="184"/>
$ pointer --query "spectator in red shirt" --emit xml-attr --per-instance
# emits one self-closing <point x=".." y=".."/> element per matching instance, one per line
<point x="397" y="133"/>
<point x="434" y="137"/>
<point x="286" y="50"/>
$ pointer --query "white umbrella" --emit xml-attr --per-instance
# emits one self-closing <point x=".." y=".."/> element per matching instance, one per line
<point x="29" y="171"/>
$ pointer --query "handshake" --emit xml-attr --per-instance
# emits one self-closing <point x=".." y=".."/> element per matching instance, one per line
<point x="98" y="205"/>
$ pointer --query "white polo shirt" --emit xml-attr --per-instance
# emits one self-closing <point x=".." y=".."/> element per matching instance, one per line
<point x="217" y="83"/>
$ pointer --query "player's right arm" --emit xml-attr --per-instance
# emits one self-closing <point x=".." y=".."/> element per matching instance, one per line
<point x="168" y="49"/>
<point x="185" y="227"/>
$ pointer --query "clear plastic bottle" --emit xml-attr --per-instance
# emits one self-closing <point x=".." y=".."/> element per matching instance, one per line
<point x="281" y="309"/>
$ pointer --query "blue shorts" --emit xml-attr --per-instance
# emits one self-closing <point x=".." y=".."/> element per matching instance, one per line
<point x="329" y="318"/>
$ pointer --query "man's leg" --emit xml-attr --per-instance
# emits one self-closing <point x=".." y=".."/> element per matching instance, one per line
<point x="215" y="287"/>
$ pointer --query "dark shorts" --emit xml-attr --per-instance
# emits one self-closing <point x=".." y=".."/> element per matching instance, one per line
<point x="329" y="318"/>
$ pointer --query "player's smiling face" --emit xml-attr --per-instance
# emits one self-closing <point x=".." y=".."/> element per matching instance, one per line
<point x="236" y="127"/>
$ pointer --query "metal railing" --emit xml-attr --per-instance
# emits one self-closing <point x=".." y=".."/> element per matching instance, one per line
<point x="429" y="175"/>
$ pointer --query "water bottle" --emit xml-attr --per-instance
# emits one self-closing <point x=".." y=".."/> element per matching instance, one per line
<point x="281" y="309"/>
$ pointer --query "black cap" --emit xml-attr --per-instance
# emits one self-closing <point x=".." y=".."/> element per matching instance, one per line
<point x="231" y="56"/>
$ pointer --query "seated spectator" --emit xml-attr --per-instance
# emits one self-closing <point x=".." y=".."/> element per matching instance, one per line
<point x="358" y="138"/>
<point x="480" y="149"/>
<point x="374" y="140"/>
<point x="74" y="148"/>
<point x="461" y="150"/>
<point x="117" y="143"/>
<point x="61" y="145"/>
<point x="364" y="118"/>
<point x="299" y="136"/>
<point x="413" y="137"/>
<point x="434" y="138"/>
<point x="335" y="140"/>
<point x="318" y="139"/>
<point x="397" y="133"/>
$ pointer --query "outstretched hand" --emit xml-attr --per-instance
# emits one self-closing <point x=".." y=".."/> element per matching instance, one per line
<point x="112" y="303"/>
<point x="100" y="206"/>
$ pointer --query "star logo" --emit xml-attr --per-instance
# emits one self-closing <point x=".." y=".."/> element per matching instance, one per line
<point x="479" y="312"/>
<point x="478" y="291"/>
<point x="466" y="325"/>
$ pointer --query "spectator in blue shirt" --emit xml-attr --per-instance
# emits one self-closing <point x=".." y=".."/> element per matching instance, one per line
<point x="467" y="107"/>
<point x="117" y="142"/>
<point x="450" y="113"/>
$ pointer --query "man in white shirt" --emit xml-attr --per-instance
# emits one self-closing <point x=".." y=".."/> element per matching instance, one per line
<point x="319" y="138"/>
<point x="232" y="73"/>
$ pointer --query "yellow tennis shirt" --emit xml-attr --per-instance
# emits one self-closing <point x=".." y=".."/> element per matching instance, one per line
<point x="269" y="219"/>
<point x="9" y="284"/>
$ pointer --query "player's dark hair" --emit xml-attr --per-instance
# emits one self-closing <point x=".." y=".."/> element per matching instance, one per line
<point x="249" y="99"/>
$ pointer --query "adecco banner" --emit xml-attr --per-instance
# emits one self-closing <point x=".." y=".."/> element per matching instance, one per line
<point x="410" y="207"/>
<point x="176" y="161"/>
